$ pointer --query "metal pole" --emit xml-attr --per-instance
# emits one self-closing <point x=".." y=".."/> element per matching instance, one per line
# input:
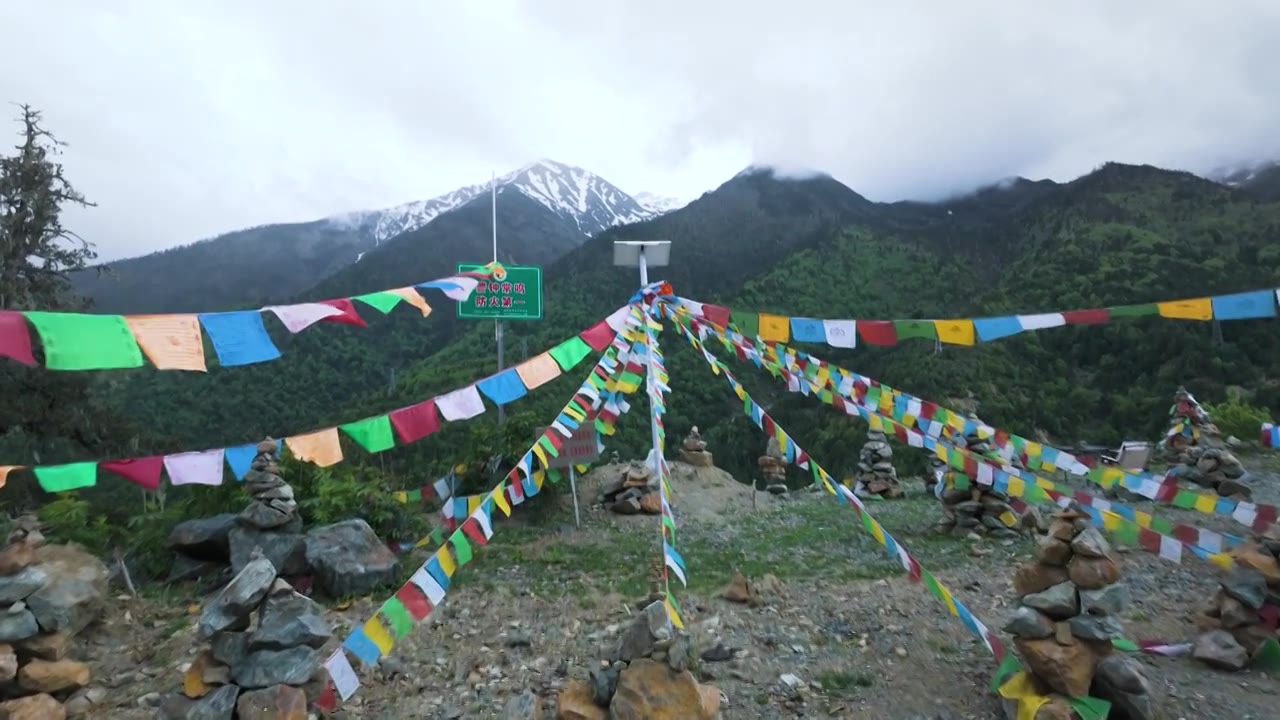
<point x="644" y="270"/>
<point x="497" y="324"/>
<point x="573" y="486"/>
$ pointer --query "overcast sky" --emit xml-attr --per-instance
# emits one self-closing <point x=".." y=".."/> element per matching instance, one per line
<point x="190" y="118"/>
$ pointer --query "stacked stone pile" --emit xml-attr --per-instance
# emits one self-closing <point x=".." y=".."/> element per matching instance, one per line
<point x="632" y="490"/>
<point x="1235" y="622"/>
<point x="968" y="507"/>
<point x="345" y="559"/>
<point x="49" y="594"/>
<point x="773" y="466"/>
<point x="694" y="450"/>
<point x="876" y="474"/>
<point x="647" y="676"/>
<point x="1070" y="601"/>
<point x="1194" y="447"/>
<point x="263" y="655"/>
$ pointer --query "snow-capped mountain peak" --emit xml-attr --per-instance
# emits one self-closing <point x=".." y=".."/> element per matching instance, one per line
<point x="590" y="201"/>
<point x="659" y="204"/>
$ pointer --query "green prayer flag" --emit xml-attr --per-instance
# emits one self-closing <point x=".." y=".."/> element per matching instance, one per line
<point x="545" y="442"/>
<point x="748" y="323"/>
<point x="461" y="548"/>
<point x="1124" y="645"/>
<point x="960" y="481"/>
<point x="955" y="459"/>
<point x="826" y="396"/>
<point x="1268" y="657"/>
<point x="415" y="495"/>
<point x="1185" y="499"/>
<point x="397" y="617"/>
<point x="672" y="599"/>
<point x="666" y="520"/>
<point x="1133" y="310"/>
<point x="570" y="352"/>
<point x="553" y="475"/>
<point x="1091" y="708"/>
<point x="62" y="478"/>
<point x="923" y="329"/>
<point x="1127" y="532"/>
<point x="1162" y="525"/>
<point x="383" y="302"/>
<point x="931" y="584"/>
<point x="74" y="341"/>
<point x="1008" y="667"/>
<point x="373" y="434"/>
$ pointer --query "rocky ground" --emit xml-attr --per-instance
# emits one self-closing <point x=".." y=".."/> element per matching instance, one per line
<point x="847" y="637"/>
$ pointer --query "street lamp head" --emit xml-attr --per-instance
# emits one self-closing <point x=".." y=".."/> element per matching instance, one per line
<point x="626" y="253"/>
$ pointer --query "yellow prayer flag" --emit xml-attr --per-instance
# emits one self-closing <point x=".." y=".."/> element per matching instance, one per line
<point x="1044" y="484"/>
<point x="1206" y="503"/>
<point x="5" y="470"/>
<point x="500" y="499"/>
<point x="171" y="342"/>
<point x="775" y="328"/>
<point x="400" y="496"/>
<point x="675" y="616"/>
<point x="956" y="422"/>
<point x="946" y="598"/>
<point x="909" y="420"/>
<point x="1033" y="450"/>
<point x="877" y="532"/>
<point x="447" y="565"/>
<point x="321" y="447"/>
<point x="1143" y="519"/>
<point x="1194" y="309"/>
<point x="541" y="455"/>
<point x="412" y="297"/>
<point x="1110" y="521"/>
<point x="1009" y="519"/>
<point x="473" y="502"/>
<point x="1017" y="486"/>
<point x="378" y="634"/>
<point x="875" y="423"/>
<point x="941" y="451"/>
<point x="822" y="378"/>
<point x="539" y="477"/>
<point x="1110" y="476"/>
<point x="955" y="332"/>
<point x="1222" y="560"/>
<point x="538" y="370"/>
<point x="1022" y="691"/>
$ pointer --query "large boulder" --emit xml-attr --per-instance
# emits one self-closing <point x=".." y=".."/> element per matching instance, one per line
<point x="73" y="596"/>
<point x="265" y="668"/>
<point x="43" y="676"/>
<point x="217" y="705"/>
<point x="348" y="559"/>
<point x="286" y="549"/>
<point x="230" y="607"/>
<point x="274" y="703"/>
<point x="648" y="690"/>
<point x="33" y="707"/>
<point x="17" y="624"/>
<point x="21" y="585"/>
<point x="203" y="538"/>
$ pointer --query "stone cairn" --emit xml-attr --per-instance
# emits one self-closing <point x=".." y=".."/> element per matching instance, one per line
<point x="648" y="674"/>
<point x="345" y="559"/>
<point x="975" y="508"/>
<point x="632" y="491"/>
<point x="773" y="465"/>
<point x="1070" y="601"/>
<point x="50" y="594"/>
<point x="876" y="474"/>
<point x="694" y="450"/>
<point x="1194" y="446"/>
<point x="263" y="655"/>
<point x="1233" y="623"/>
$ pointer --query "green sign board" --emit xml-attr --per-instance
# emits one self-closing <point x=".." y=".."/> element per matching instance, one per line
<point x="516" y="295"/>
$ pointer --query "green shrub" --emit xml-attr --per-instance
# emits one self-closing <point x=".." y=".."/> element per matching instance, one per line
<point x="1239" y="418"/>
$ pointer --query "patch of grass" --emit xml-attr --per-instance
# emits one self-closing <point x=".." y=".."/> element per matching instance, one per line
<point x="843" y="682"/>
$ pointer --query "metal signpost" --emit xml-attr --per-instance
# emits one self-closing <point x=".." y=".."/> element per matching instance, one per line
<point x="580" y="448"/>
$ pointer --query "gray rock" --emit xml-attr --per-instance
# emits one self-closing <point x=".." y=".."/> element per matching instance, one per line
<point x="1217" y="648"/>
<point x="289" y="619"/>
<point x="604" y="683"/>
<point x="1096" y="627"/>
<point x="185" y="568"/>
<point x="1247" y="586"/>
<point x="1058" y="602"/>
<point x="20" y="586"/>
<point x="265" y="517"/>
<point x="203" y="538"/>
<point x="17" y="625"/>
<point x="1090" y="543"/>
<point x="348" y="559"/>
<point x="229" y="648"/>
<point x="73" y="596"/>
<point x="1137" y="704"/>
<point x="239" y="598"/>
<point x="645" y="629"/>
<point x="1028" y="623"/>
<point x="264" y="668"/>
<point x="287" y="551"/>
<point x="217" y="705"/>
<point x="1122" y="673"/>
<point x="1110" y="600"/>
<point x="776" y="489"/>
<point x="626" y="506"/>
<point x="525" y="706"/>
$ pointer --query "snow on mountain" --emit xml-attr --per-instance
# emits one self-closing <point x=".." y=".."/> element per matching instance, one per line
<point x="659" y="204"/>
<point x="1242" y="175"/>
<point x="589" y="200"/>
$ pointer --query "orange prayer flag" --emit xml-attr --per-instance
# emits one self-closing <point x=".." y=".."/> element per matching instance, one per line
<point x="171" y="342"/>
<point x="538" y="370"/>
<point x="412" y="297"/>
<point x="5" y="470"/>
<point x="319" y="448"/>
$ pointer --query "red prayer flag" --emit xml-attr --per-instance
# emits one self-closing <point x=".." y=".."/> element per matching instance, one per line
<point x="1266" y="515"/>
<point x="1096" y="316"/>
<point x="328" y="699"/>
<point x="1149" y="540"/>
<point x="349" y="315"/>
<point x="471" y="528"/>
<point x="716" y="314"/>
<point x="416" y="421"/>
<point x="140" y="471"/>
<point x="878" y="332"/>
<point x="1186" y="534"/>
<point x="598" y="336"/>
<point x="414" y="601"/>
<point x="15" y="338"/>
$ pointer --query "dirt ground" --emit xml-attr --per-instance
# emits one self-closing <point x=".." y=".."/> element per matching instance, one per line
<point x="543" y="602"/>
